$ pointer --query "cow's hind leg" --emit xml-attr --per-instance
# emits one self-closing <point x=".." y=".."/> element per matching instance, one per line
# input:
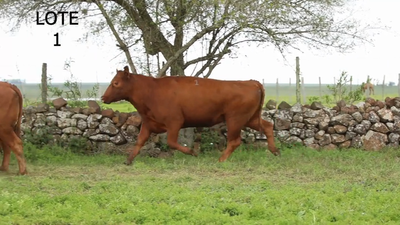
<point x="268" y="129"/>
<point x="11" y="141"/>
<point x="172" y="140"/>
<point x="6" y="157"/>
<point x="143" y="136"/>
<point x="234" y="140"/>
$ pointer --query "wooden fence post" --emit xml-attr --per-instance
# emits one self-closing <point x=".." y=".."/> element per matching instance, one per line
<point x="44" y="83"/>
<point x="99" y="94"/>
<point x="320" y="90"/>
<point x="297" y="79"/>
<point x="277" y="91"/>
<point x="351" y="83"/>
<point x="398" y="86"/>
<point x="367" y="91"/>
<point x="383" y="88"/>
<point x="303" y="94"/>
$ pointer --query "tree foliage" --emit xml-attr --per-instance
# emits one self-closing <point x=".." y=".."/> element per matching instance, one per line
<point x="199" y="34"/>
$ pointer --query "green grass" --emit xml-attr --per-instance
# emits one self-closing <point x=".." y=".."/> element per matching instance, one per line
<point x="122" y="106"/>
<point x="303" y="186"/>
<point x="288" y="93"/>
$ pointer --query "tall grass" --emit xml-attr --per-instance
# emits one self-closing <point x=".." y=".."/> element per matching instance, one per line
<point x="303" y="186"/>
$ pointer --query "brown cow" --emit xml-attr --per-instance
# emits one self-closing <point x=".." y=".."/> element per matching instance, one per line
<point x="170" y="103"/>
<point x="368" y="86"/>
<point x="10" y="125"/>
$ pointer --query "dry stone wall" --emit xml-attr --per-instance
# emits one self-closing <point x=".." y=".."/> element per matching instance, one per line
<point x="370" y="125"/>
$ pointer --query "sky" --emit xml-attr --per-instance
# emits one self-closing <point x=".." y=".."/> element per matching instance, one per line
<point x="23" y="52"/>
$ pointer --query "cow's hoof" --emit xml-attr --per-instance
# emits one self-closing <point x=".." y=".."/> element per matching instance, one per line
<point x="23" y="173"/>
<point x="127" y="163"/>
<point x="277" y="153"/>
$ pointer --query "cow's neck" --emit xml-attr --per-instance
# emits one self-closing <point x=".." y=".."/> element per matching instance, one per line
<point x="140" y="90"/>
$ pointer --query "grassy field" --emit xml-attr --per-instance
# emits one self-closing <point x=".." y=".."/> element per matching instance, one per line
<point x="288" y="93"/>
<point x="303" y="186"/>
<point x="32" y="92"/>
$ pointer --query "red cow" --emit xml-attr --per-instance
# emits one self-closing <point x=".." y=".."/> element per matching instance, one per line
<point x="170" y="103"/>
<point x="10" y="125"/>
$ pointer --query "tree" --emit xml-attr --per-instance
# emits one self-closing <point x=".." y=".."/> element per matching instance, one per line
<point x="200" y="33"/>
<point x="340" y="92"/>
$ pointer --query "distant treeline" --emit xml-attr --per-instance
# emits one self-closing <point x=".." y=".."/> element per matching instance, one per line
<point x="15" y="81"/>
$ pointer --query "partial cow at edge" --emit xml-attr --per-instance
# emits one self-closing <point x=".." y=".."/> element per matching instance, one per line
<point x="10" y="126"/>
<point x="168" y="104"/>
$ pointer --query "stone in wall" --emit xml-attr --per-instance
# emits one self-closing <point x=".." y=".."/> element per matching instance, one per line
<point x="374" y="140"/>
<point x="107" y="126"/>
<point x="282" y="120"/>
<point x="93" y="120"/>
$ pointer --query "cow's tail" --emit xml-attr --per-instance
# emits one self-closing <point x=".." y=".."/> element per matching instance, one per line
<point x="262" y="90"/>
<point x="17" y="127"/>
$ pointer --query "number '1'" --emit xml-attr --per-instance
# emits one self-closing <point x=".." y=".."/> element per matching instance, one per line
<point x="57" y="43"/>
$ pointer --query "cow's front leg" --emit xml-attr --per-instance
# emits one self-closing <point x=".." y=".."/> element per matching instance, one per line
<point x="144" y="134"/>
<point x="172" y="140"/>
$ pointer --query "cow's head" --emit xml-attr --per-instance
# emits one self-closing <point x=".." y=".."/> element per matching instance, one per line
<point x="119" y="87"/>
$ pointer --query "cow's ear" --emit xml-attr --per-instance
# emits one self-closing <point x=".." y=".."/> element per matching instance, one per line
<point x="126" y="72"/>
<point x="126" y="69"/>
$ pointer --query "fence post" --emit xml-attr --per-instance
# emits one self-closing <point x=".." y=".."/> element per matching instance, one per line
<point x="383" y="88"/>
<point x="99" y="93"/>
<point x="398" y="85"/>
<point x="351" y="83"/>
<point x="367" y="91"/>
<point x="297" y="79"/>
<point x="320" y="90"/>
<point x="290" y="81"/>
<point x="44" y="82"/>
<point x="277" y="91"/>
<point x="303" y="94"/>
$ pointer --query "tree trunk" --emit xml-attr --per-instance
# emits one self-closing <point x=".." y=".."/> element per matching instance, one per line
<point x="177" y="67"/>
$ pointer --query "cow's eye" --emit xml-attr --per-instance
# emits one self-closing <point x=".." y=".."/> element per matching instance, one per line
<point x="115" y="83"/>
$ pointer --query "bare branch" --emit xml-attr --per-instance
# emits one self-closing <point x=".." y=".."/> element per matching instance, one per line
<point x="121" y="43"/>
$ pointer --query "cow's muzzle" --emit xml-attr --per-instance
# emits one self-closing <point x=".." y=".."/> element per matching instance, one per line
<point x="104" y="100"/>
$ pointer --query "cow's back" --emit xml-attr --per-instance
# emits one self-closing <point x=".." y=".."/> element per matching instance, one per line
<point x="205" y="102"/>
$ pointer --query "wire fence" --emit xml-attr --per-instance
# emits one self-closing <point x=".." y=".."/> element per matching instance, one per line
<point x="288" y="91"/>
